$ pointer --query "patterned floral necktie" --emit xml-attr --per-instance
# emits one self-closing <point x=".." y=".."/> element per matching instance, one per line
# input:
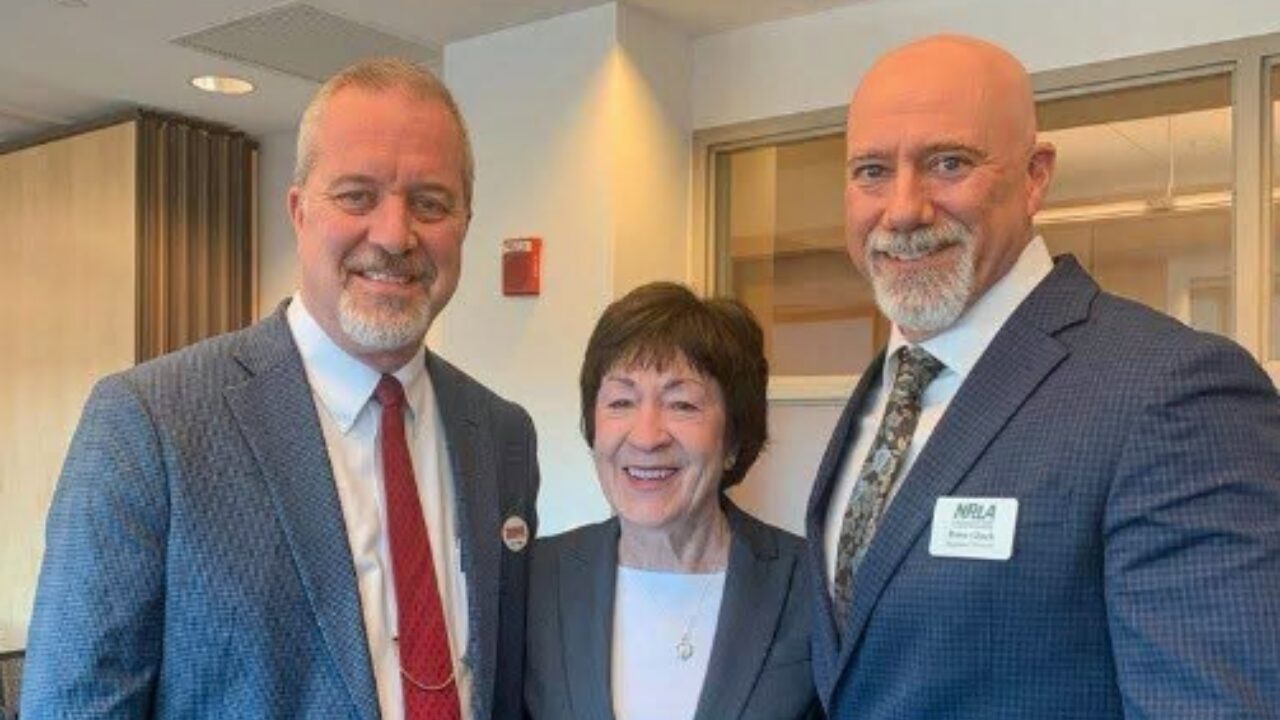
<point x="916" y="369"/>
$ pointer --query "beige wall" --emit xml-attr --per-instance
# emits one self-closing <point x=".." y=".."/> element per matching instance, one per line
<point x="67" y="233"/>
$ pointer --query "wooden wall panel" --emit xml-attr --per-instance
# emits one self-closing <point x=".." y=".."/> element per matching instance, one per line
<point x="67" y="244"/>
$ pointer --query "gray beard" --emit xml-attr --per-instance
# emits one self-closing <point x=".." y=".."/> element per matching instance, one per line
<point x="383" y="328"/>
<point x="924" y="301"/>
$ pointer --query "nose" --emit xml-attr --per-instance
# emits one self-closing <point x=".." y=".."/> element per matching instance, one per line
<point x="391" y="225"/>
<point x="909" y="207"/>
<point x="650" y="430"/>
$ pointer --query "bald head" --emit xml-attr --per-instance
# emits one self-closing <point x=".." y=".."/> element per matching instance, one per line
<point x="944" y="177"/>
<point x="985" y="75"/>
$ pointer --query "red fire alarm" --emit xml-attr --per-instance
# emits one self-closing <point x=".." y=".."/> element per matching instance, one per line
<point x="521" y="266"/>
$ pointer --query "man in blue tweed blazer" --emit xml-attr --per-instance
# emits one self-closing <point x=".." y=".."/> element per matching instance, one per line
<point x="1079" y="517"/>
<point x="218" y="544"/>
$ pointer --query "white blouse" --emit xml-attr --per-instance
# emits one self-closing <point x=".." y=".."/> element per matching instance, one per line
<point x="664" y="624"/>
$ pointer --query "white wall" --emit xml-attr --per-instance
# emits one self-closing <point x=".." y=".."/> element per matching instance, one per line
<point x="277" y="259"/>
<point x="813" y="62"/>
<point x="536" y="100"/>
<point x="652" y="137"/>
<point x="581" y="133"/>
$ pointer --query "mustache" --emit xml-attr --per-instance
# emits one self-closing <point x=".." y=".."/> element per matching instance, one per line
<point x="371" y="258"/>
<point x="920" y="240"/>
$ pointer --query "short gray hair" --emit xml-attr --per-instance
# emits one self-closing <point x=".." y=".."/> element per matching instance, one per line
<point x="380" y="75"/>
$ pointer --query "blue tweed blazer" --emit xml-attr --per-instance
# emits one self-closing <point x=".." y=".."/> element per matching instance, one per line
<point x="197" y="563"/>
<point x="1145" y="577"/>
<point x="759" y="667"/>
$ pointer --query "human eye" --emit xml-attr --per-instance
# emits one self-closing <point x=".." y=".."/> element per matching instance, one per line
<point x="867" y="172"/>
<point x="430" y="207"/>
<point x="355" y="200"/>
<point x="684" y="405"/>
<point x="950" y="164"/>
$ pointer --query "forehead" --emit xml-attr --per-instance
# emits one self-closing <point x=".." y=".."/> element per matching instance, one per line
<point x="381" y="132"/>
<point x="941" y="94"/>
<point x="652" y="368"/>
<point x="887" y="115"/>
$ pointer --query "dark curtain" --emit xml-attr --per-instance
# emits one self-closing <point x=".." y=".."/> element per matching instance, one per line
<point x="197" y="232"/>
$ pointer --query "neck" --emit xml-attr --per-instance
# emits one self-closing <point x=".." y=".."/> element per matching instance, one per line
<point x="698" y="545"/>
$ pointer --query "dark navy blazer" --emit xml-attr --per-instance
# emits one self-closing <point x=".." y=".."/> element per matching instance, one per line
<point x="1145" y="577"/>
<point x="759" y="667"/>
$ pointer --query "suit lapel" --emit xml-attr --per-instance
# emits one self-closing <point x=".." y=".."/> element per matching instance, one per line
<point x="755" y="592"/>
<point x="277" y="418"/>
<point x="826" y="639"/>
<point x="588" y="579"/>
<point x="1019" y="358"/>
<point x="472" y="460"/>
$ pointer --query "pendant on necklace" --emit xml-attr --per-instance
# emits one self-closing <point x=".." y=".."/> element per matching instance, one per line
<point x="684" y="648"/>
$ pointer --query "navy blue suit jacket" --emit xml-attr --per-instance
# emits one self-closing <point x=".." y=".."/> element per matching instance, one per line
<point x="1145" y="577"/>
<point x="197" y="562"/>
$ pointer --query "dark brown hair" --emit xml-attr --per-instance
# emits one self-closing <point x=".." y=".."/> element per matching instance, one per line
<point x="658" y="323"/>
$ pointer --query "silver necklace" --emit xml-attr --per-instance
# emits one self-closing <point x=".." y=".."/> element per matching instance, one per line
<point x="685" y="648"/>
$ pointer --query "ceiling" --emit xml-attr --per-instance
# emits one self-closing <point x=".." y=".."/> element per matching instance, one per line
<point x="67" y="61"/>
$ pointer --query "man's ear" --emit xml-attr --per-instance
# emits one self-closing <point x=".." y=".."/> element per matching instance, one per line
<point x="296" y="206"/>
<point x="1040" y="166"/>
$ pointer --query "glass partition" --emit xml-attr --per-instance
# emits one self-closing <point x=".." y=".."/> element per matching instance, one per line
<point x="1143" y="194"/>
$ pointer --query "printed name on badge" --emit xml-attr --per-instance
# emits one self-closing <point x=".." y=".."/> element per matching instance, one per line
<point x="974" y="528"/>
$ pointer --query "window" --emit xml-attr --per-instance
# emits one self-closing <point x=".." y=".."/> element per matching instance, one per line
<point x="1142" y="194"/>
<point x="783" y="255"/>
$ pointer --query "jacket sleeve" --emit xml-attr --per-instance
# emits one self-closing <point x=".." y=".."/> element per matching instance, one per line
<point x="1192" y="533"/>
<point x="94" y="644"/>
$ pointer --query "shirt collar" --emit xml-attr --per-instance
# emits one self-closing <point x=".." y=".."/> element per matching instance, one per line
<point x="343" y="383"/>
<point x="960" y="346"/>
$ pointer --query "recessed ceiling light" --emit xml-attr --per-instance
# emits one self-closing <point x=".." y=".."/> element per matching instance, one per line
<point x="223" y="84"/>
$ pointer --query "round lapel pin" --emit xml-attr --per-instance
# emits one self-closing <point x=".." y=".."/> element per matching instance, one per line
<point x="515" y="533"/>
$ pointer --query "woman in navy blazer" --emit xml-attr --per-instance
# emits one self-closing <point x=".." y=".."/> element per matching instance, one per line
<point x="680" y="606"/>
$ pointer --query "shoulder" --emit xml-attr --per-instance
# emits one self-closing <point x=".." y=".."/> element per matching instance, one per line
<point x="188" y="380"/>
<point x="503" y="411"/>
<point x="212" y="362"/>
<point x="591" y="548"/>
<point x="581" y="542"/>
<point x="1162" y="354"/>
<point x="763" y="538"/>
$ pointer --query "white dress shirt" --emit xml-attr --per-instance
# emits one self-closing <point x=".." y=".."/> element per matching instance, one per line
<point x="959" y="347"/>
<point x="342" y="388"/>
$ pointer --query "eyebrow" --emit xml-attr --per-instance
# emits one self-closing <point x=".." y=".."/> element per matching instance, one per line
<point x="928" y="150"/>
<point x="362" y="179"/>
<point x="353" y="178"/>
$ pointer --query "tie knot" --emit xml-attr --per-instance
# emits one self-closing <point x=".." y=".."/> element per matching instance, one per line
<point x="390" y="393"/>
<point x="916" y="369"/>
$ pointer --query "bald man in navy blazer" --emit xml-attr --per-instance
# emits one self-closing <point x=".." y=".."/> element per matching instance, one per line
<point x="1072" y="506"/>
<point x="220" y="542"/>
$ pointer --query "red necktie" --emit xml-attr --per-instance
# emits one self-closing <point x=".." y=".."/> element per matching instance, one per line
<point x="426" y="664"/>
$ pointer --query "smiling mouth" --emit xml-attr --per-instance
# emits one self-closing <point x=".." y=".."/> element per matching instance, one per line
<point x="913" y="254"/>
<point x="649" y="474"/>
<point x="384" y="277"/>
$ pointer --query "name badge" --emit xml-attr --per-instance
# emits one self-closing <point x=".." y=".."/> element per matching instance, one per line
<point x="974" y="528"/>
